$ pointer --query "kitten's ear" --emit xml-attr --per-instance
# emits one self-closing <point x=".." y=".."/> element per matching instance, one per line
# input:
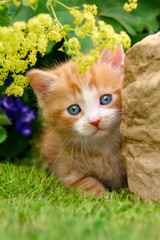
<point x="41" y="82"/>
<point x="116" y="58"/>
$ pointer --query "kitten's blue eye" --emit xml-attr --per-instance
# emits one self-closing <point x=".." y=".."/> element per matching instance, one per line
<point x="74" y="109"/>
<point x="106" y="99"/>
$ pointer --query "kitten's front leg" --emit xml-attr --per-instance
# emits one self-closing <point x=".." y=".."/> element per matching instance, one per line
<point x="86" y="184"/>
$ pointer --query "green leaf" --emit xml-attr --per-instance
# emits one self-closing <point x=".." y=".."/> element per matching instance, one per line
<point x="126" y="20"/>
<point x="23" y="13"/>
<point x="50" y="47"/>
<point x="136" y="21"/>
<point x="3" y="134"/>
<point x="4" y="18"/>
<point x="4" y="119"/>
<point x="148" y="11"/>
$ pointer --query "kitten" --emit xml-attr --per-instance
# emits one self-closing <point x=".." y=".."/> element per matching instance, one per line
<point x="82" y="114"/>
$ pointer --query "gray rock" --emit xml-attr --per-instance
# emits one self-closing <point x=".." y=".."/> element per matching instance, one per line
<point x="140" y="126"/>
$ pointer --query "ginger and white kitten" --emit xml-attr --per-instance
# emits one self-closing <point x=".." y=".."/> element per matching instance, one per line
<point x="82" y="114"/>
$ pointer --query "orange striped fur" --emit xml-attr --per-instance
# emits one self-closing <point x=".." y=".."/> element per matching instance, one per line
<point x="83" y="155"/>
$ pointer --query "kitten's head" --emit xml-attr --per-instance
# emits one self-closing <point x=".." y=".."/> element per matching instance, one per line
<point x="86" y="104"/>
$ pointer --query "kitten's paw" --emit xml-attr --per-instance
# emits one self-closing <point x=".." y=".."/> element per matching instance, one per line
<point x="86" y="184"/>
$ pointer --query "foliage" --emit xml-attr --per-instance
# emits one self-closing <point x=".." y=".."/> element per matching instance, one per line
<point x="21" y="17"/>
<point x="18" y="114"/>
<point x="3" y="121"/>
<point x="35" y="206"/>
<point x="144" y="18"/>
<point x="19" y="51"/>
<point x="21" y="42"/>
<point x="4" y="18"/>
<point x="22" y="128"/>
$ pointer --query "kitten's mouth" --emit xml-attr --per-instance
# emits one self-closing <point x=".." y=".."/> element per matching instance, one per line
<point x="99" y="131"/>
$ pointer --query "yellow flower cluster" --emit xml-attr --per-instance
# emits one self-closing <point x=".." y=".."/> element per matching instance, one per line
<point x="90" y="8"/>
<point x="19" y="45"/>
<point x="131" y="5"/>
<point x="101" y="34"/>
<point x="77" y="15"/>
<point x="74" y="46"/>
<point x="15" y="90"/>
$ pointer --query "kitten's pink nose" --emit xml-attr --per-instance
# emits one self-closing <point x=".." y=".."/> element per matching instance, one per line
<point x="95" y="123"/>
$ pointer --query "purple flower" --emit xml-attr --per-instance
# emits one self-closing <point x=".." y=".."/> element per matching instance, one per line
<point x="23" y="127"/>
<point x="27" y="131"/>
<point x="19" y="114"/>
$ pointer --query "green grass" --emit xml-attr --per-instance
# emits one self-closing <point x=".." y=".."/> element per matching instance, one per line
<point x="34" y="206"/>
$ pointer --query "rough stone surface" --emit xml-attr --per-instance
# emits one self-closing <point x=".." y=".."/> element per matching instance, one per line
<point x="140" y="126"/>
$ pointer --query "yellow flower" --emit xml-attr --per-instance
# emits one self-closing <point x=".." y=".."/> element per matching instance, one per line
<point x="19" y="46"/>
<point x="125" y="39"/>
<point x="33" y="25"/>
<point x="20" y="25"/>
<point x="79" y="32"/>
<point x="15" y="90"/>
<point x="95" y="36"/>
<point x="78" y="15"/>
<point x="55" y="33"/>
<point x="32" y="58"/>
<point x="89" y="22"/>
<point x="20" y="80"/>
<point x="1" y="83"/>
<point x="45" y="20"/>
<point x="90" y="8"/>
<point x="42" y="44"/>
<point x="1" y="47"/>
<point x="3" y="74"/>
<point x="130" y="6"/>
<point x="54" y="36"/>
<point x="20" y="43"/>
<point x="73" y="46"/>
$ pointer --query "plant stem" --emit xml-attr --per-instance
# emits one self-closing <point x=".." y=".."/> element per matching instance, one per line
<point x="55" y="15"/>
<point x="63" y="4"/>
